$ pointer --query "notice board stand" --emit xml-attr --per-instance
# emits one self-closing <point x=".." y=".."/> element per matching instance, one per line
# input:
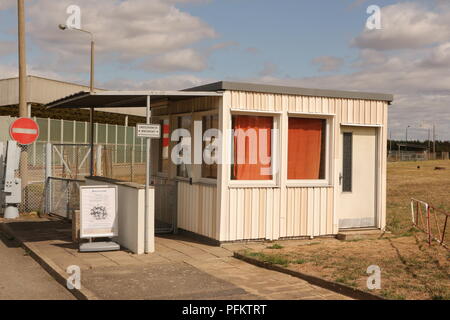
<point x="98" y="217"/>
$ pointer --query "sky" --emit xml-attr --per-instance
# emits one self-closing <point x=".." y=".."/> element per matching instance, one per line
<point x="175" y="44"/>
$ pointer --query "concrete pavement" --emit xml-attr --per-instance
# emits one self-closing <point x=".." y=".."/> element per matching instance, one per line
<point x="21" y="278"/>
<point x="181" y="268"/>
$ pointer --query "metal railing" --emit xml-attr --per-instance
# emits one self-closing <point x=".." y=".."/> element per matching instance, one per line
<point x="431" y="220"/>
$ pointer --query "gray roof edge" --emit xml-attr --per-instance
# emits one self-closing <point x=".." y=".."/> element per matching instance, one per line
<point x="253" y="87"/>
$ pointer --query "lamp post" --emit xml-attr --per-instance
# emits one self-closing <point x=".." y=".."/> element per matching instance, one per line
<point x="91" y="88"/>
<point x="407" y="133"/>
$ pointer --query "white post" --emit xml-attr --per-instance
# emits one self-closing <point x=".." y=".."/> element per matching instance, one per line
<point x="34" y="143"/>
<point x="98" y="163"/>
<point x="149" y="225"/>
<point x="2" y="159"/>
<point x="48" y="174"/>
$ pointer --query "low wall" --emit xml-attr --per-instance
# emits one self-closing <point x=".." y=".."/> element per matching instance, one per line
<point x="131" y="211"/>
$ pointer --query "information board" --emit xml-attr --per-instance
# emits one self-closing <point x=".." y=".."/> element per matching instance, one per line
<point x="152" y="131"/>
<point x="98" y="211"/>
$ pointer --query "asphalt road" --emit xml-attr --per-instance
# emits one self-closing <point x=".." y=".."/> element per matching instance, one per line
<point x="22" y="278"/>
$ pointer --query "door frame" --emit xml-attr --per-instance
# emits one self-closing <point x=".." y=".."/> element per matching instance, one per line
<point x="378" y="172"/>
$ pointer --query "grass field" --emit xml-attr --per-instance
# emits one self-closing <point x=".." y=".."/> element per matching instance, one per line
<point x="410" y="269"/>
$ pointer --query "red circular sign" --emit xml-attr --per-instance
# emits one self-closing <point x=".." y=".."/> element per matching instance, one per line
<point x="24" y="131"/>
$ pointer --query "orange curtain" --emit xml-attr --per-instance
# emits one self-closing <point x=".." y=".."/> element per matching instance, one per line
<point x="258" y="145"/>
<point x="305" y="146"/>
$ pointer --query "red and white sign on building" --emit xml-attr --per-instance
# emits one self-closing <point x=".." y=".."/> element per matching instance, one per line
<point x="24" y="131"/>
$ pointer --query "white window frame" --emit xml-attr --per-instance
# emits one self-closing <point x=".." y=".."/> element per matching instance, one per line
<point x="329" y="138"/>
<point x="201" y="179"/>
<point x="177" y="117"/>
<point x="276" y="152"/>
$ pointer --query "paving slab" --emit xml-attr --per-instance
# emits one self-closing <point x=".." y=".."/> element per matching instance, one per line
<point x="181" y="268"/>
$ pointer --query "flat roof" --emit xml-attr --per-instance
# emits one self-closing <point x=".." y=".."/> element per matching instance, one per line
<point x="264" y="88"/>
<point x="122" y="99"/>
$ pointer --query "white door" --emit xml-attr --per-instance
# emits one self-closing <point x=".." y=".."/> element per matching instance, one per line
<point x="357" y="178"/>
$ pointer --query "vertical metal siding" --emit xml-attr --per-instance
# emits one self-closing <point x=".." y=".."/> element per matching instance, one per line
<point x="283" y="211"/>
<point x="197" y="209"/>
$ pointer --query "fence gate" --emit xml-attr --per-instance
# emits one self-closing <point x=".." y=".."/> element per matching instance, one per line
<point x="66" y="167"/>
<point x="165" y="205"/>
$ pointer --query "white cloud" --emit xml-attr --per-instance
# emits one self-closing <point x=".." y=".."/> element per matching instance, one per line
<point x="124" y="31"/>
<point x="180" y="60"/>
<point x="328" y="63"/>
<point x="269" y="69"/>
<point x="439" y="57"/>
<point x="418" y="77"/>
<point x="177" y="82"/>
<point x="406" y="25"/>
<point x="7" y="4"/>
<point x="7" y="47"/>
<point x="8" y="71"/>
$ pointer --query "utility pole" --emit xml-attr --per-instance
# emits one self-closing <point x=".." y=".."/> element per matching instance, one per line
<point x="23" y="108"/>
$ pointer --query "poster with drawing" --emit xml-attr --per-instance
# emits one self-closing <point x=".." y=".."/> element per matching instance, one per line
<point x="98" y="211"/>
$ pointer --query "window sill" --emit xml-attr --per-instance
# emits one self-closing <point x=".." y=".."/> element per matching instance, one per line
<point x="183" y="179"/>
<point x="207" y="181"/>
<point x="252" y="184"/>
<point x="308" y="184"/>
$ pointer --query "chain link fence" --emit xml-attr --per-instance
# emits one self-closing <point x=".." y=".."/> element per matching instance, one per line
<point x="32" y="173"/>
<point x="51" y="174"/>
<point x="125" y="163"/>
<point x="416" y="156"/>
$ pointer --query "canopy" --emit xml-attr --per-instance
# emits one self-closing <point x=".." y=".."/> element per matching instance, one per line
<point x="123" y="99"/>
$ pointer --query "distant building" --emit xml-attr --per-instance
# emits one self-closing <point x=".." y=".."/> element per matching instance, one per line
<point x="41" y="91"/>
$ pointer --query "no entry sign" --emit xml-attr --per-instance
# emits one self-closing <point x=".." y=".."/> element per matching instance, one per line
<point x="24" y="131"/>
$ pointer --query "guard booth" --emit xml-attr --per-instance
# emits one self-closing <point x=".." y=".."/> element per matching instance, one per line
<point x="320" y="163"/>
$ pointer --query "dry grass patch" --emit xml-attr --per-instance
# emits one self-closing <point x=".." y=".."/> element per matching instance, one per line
<point x="410" y="269"/>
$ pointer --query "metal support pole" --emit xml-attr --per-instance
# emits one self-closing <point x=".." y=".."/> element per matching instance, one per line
<point x="149" y="232"/>
<point x="91" y="120"/>
<point x="91" y="113"/>
<point x="48" y="175"/>
<point x="429" y="225"/>
<point x="99" y="160"/>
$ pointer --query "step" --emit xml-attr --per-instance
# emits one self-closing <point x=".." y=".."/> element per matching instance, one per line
<point x="360" y="234"/>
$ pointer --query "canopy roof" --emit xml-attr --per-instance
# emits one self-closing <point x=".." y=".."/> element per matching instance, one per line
<point x="123" y="99"/>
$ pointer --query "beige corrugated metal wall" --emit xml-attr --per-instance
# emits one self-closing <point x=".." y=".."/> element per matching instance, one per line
<point x="196" y="202"/>
<point x="295" y="211"/>
<point x="227" y="212"/>
<point x="197" y="212"/>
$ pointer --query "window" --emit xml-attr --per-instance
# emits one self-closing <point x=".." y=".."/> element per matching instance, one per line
<point x="252" y="147"/>
<point x="163" y="164"/>
<point x="209" y="122"/>
<point x="184" y="122"/>
<point x="307" y="149"/>
<point x="347" y="162"/>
